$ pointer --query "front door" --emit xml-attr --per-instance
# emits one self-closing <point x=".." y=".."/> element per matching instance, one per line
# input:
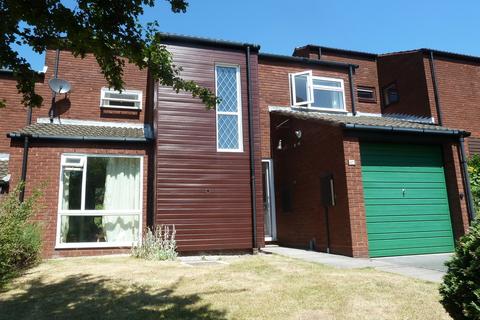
<point x="269" y="200"/>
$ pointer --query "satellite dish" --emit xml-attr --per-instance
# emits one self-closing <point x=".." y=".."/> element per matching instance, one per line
<point x="59" y="85"/>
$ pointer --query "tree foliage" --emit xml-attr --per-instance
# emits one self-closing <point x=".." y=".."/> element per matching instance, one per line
<point x="111" y="30"/>
<point x="474" y="173"/>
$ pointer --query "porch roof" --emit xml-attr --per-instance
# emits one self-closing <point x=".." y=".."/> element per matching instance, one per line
<point x="55" y="131"/>
<point x="392" y="123"/>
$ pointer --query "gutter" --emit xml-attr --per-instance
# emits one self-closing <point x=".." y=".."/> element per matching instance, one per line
<point x="15" y="135"/>
<point x="324" y="63"/>
<point x="362" y="127"/>
<point x="251" y="147"/>
<point x="170" y="37"/>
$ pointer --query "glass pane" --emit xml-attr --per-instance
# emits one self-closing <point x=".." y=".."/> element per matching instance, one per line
<point x="126" y="96"/>
<point x="301" y="88"/>
<point x="115" y="103"/>
<point x="74" y="229"/>
<point x="266" y="199"/>
<point x="328" y="83"/>
<point x="72" y="189"/>
<point x="112" y="183"/>
<point x="227" y="132"/>
<point x="365" y="94"/>
<point x="328" y="99"/>
<point x="227" y="89"/>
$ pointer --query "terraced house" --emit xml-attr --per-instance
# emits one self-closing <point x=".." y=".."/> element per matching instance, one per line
<point x="334" y="150"/>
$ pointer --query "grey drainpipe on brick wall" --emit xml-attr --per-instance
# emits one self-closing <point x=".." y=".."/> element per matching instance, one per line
<point x="352" y="88"/>
<point x="466" y="181"/>
<point x="435" y="89"/>
<point x="251" y="146"/>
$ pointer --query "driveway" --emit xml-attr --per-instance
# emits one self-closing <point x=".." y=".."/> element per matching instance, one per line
<point x="429" y="267"/>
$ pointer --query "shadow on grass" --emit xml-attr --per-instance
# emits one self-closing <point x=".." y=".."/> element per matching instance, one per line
<point x="89" y="297"/>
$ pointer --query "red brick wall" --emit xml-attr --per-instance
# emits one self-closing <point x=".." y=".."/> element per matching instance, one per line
<point x="365" y="75"/>
<point x="408" y="71"/>
<point x="300" y="170"/>
<point x="12" y="117"/>
<point x="44" y="170"/>
<point x="83" y="101"/>
<point x="459" y="92"/>
<point x="275" y="90"/>
<point x="356" y="203"/>
<point x="456" y="192"/>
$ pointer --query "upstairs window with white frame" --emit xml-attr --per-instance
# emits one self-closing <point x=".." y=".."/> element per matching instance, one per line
<point x="99" y="201"/>
<point x="126" y="99"/>
<point x="229" y="109"/>
<point x="317" y="92"/>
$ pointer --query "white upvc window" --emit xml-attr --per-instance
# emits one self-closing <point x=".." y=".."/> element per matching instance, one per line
<point x="100" y="201"/>
<point x="126" y="99"/>
<point x="229" y="109"/>
<point x="319" y="93"/>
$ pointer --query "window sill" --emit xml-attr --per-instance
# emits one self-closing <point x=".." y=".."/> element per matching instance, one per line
<point x="94" y="245"/>
<point x="327" y="110"/>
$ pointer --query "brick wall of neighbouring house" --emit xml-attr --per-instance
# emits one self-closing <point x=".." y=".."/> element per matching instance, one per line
<point x="407" y="70"/>
<point x="86" y="79"/>
<point x="275" y="90"/>
<point x="298" y="172"/>
<point x="365" y="75"/>
<point x="44" y="171"/>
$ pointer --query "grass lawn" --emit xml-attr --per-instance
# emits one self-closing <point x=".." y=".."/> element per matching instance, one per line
<point x="249" y="287"/>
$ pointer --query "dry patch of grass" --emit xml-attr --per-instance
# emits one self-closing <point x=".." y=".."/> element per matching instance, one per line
<point x="250" y="287"/>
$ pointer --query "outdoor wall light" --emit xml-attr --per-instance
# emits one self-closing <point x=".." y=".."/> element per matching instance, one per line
<point x="298" y="133"/>
<point x="279" y="146"/>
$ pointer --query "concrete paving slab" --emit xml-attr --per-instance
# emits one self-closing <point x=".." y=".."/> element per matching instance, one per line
<point x="424" y="267"/>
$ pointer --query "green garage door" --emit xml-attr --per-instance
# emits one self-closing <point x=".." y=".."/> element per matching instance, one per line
<point x="405" y="199"/>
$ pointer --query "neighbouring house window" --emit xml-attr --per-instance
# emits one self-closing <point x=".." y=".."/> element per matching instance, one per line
<point x="127" y="99"/>
<point x="317" y="92"/>
<point x="100" y="201"/>
<point x="229" y="110"/>
<point x="366" y="94"/>
<point x="390" y="94"/>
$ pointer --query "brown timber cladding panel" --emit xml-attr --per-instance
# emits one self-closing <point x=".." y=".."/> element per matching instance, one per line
<point x="473" y="146"/>
<point x="205" y="193"/>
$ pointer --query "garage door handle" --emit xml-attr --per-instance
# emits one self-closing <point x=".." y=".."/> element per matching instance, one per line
<point x="403" y="191"/>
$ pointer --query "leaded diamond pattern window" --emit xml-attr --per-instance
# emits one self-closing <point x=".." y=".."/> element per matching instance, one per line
<point x="229" y="124"/>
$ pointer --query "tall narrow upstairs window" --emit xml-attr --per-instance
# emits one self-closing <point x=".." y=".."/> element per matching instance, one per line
<point x="229" y="109"/>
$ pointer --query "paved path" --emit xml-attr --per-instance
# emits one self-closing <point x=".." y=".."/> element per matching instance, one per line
<point x="423" y="267"/>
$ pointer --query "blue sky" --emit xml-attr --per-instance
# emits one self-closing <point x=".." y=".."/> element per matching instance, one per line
<point x="280" y="25"/>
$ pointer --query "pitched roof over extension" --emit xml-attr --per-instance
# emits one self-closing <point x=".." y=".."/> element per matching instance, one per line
<point x="374" y="123"/>
<point x="55" y="131"/>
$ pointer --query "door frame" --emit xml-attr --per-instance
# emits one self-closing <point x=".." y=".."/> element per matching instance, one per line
<point x="271" y="189"/>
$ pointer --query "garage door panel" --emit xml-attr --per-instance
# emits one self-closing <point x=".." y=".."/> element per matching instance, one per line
<point x="403" y="177"/>
<point x="382" y="193"/>
<point x="409" y="251"/>
<point x="410" y="243"/>
<point x="408" y="210"/>
<point x="409" y="235"/>
<point x="396" y="185"/>
<point x="395" y="202"/>
<point x="406" y="218"/>
<point x="409" y="226"/>
<point x="416" y="221"/>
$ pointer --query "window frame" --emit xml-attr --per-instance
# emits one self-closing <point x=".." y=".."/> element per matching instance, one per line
<point x="367" y="88"/>
<point x="83" y="212"/>
<point x="337" y="89"/>
<point x="386" y="101"/>
<point x="238" y="113"/>
<point x="105" y="90"/>
<point x="309" y="74"/>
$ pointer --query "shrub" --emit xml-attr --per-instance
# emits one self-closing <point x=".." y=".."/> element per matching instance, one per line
<point x="157" y="244"/>
<point x="460" y="289"/>
<point x="474" y="173"/>
<point x="20" y="239"/>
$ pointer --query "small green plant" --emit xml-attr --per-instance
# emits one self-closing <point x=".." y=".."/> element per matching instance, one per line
<point x="157" y="244"/>
<point x="460" y="289"/>
<point x="20" y="238"/>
